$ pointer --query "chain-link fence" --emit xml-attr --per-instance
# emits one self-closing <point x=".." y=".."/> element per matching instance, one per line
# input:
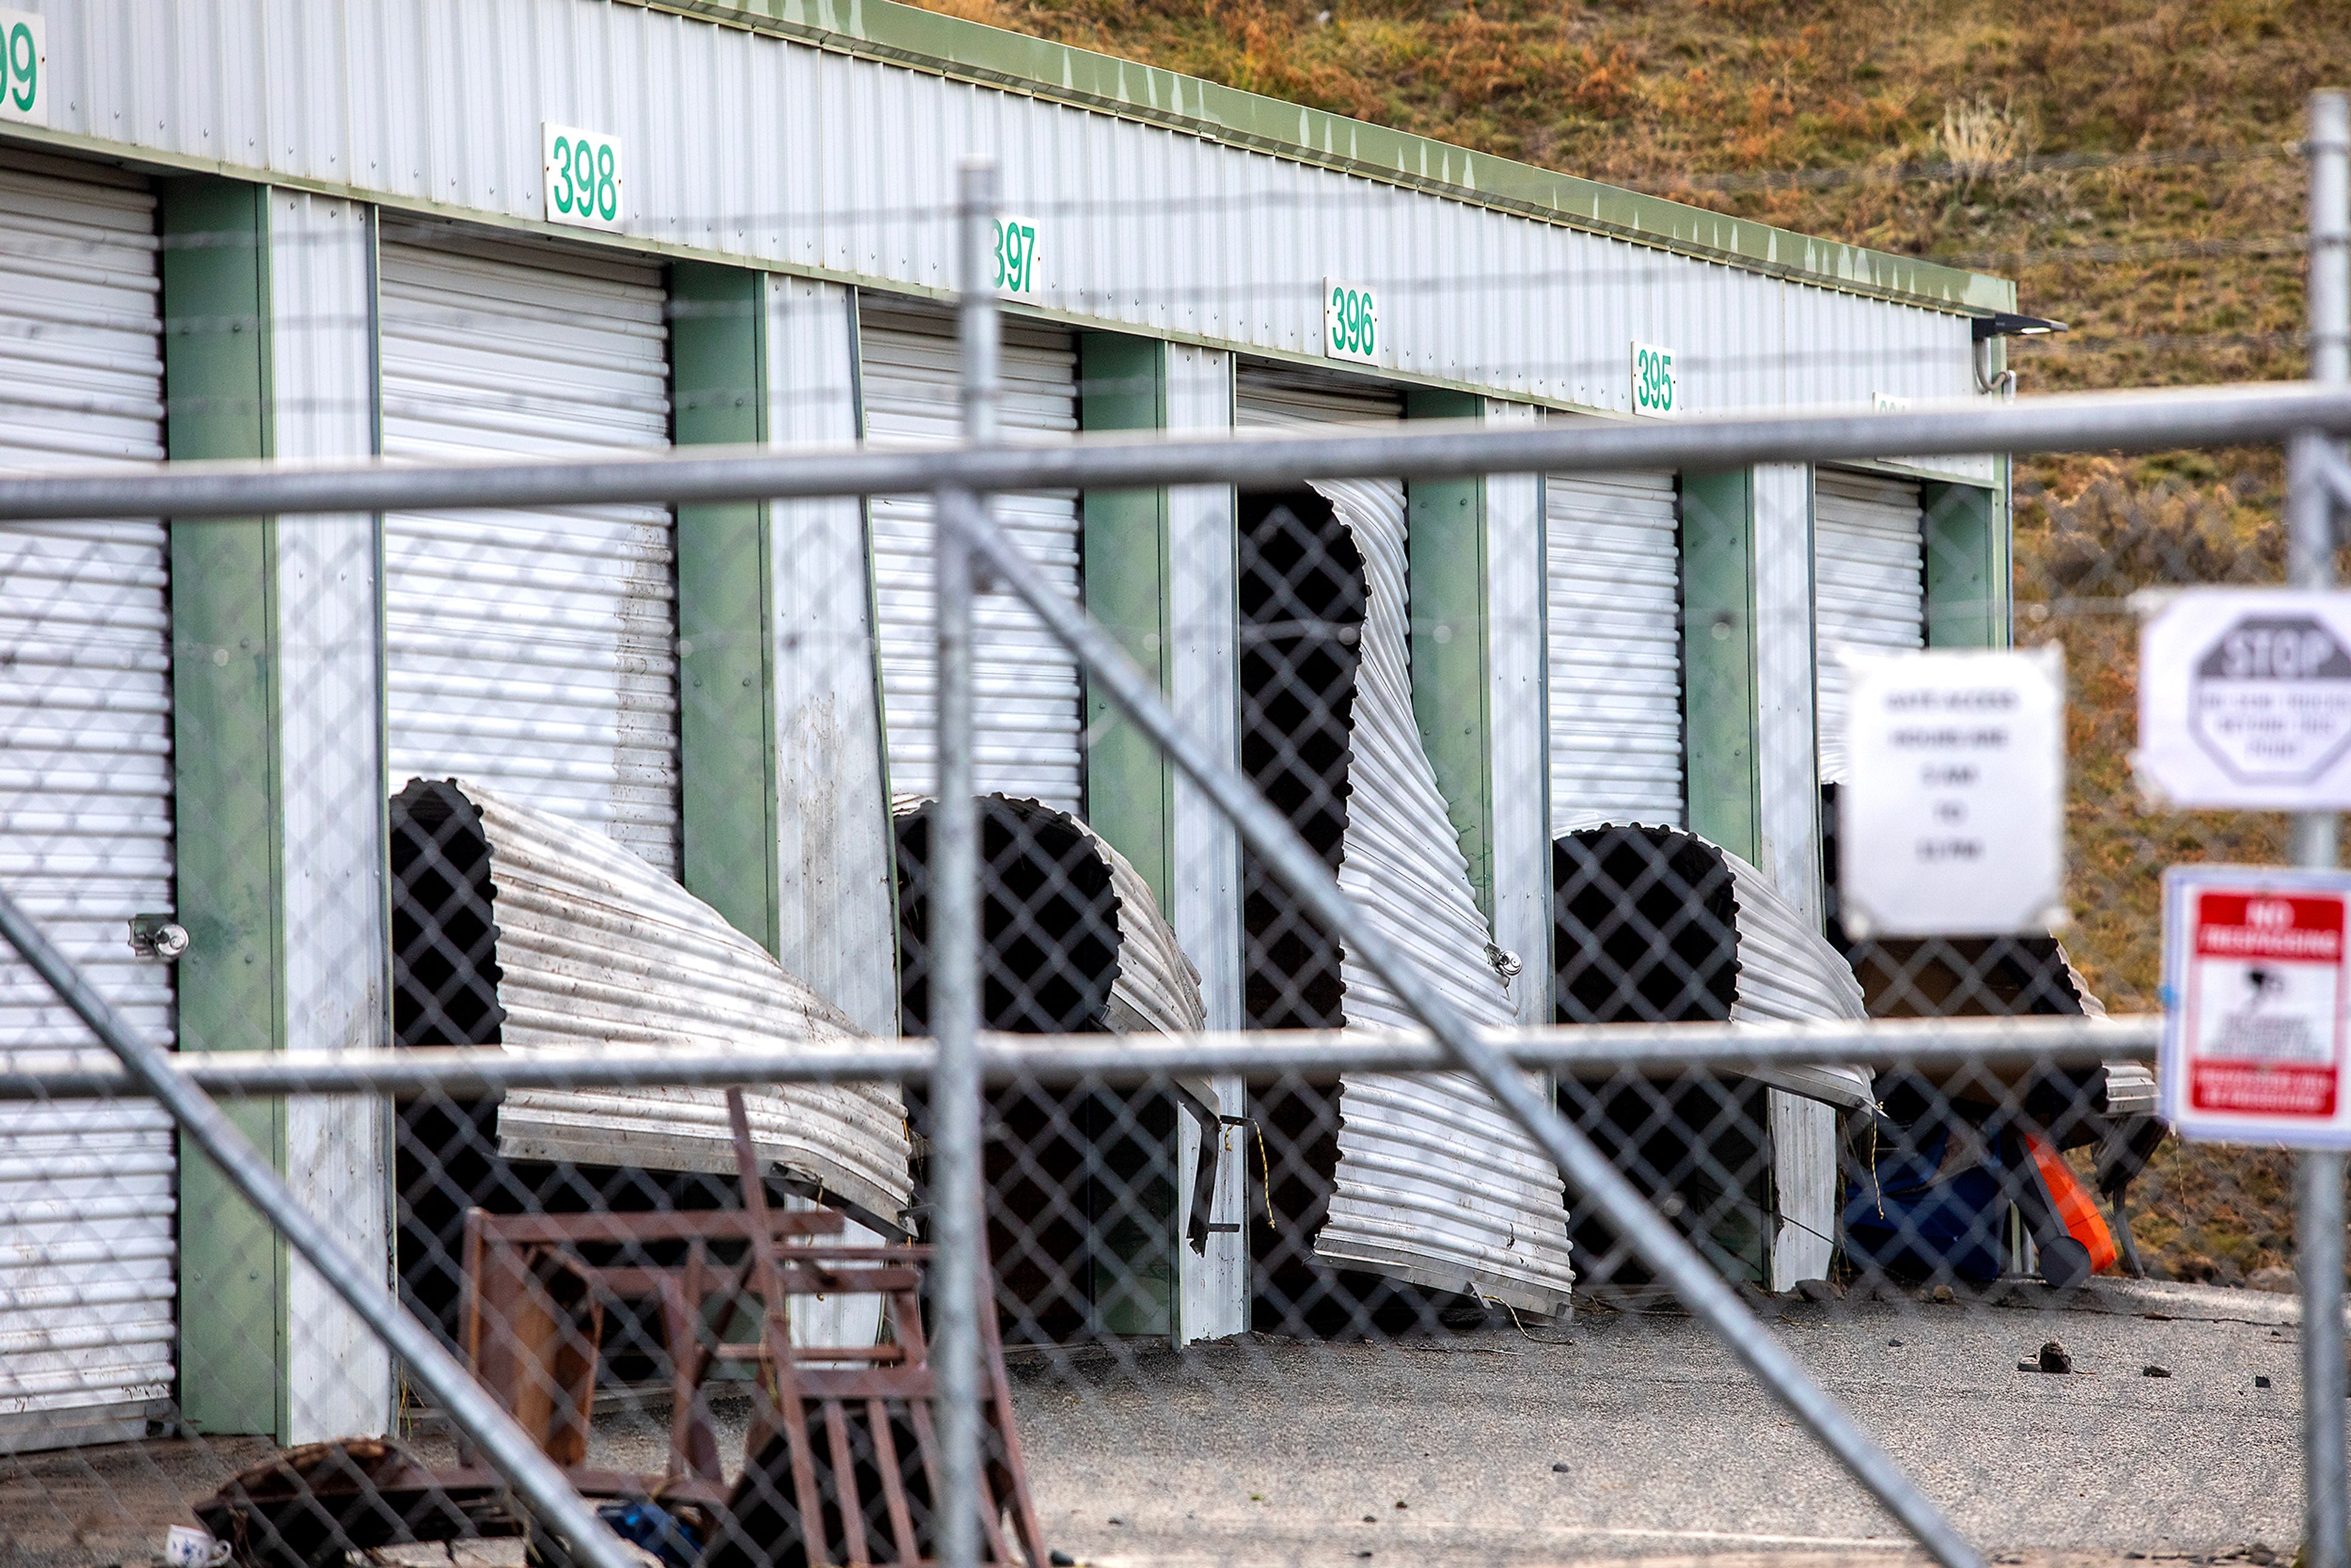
<point x="596" y="911"/>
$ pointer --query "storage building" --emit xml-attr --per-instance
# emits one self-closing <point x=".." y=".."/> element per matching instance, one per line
<point x="469" y="228"/>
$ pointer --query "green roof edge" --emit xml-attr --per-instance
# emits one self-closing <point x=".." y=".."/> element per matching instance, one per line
<point x="950" y="46"/>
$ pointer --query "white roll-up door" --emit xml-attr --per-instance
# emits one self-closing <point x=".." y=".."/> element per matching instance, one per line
<point x="1028" y="719"/>
<point x="1614" y="550"/>
<point x="1435" y="1184"/>
<point x="1869" y="579"/>
<point x="535" y="652"/>
<point x="87" y="1271"/>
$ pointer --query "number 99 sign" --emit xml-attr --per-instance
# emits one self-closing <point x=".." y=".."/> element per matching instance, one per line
<point x="1351" y="322"/>
<point x="24" y="67"/>
<point x="583" y="177"/>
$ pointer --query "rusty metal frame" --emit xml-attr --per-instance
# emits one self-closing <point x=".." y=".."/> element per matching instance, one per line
<point x="531" y="1318"/>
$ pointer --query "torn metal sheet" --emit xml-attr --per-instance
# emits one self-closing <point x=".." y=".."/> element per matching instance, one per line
<point x="593" y="946"/>
<point x="1658" y="924"/>
<point x="1119" y="968"/>
<point x="1789" y="972"/>
<point x="1436" y="1183"/>
<point x="1153" y="989"/>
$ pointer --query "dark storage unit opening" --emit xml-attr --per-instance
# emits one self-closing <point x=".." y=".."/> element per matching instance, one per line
<point x="1644" y="930"/>
<point x="1081" y="1182"/>
<point x="1303" y="600"/>
<point x="445" y="991"/>
<point x="1303" y="595"/>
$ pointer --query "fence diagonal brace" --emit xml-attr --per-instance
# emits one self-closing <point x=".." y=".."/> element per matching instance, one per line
<point x="1587" y="1170"/>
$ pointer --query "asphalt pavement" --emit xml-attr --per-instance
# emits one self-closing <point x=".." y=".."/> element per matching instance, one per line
<point x="1620" y="1435"/>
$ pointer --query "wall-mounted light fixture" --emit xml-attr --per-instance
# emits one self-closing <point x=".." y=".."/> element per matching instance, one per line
<point x="2004" y="324"/>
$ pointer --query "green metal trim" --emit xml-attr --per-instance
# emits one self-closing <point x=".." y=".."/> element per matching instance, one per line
<point x="1967" y="580"/>
<point x="1452" y="642"/>
<point x="726" y="608"/>
<point x="1131" y="801"/>
<point x="1720" y="746"/>
<point x="234" y="1271"/>
<point x="972" y="51"/>
<point x="1129" y="784"/>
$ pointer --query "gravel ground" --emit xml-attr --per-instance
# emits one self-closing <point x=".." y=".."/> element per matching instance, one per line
<point x="1276" y="1450"/>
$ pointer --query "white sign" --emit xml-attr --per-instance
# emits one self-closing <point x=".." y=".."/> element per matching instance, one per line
<point x="2254" y="993"/>
<point x="1952" y="820"/>
<point x="584" y="182"/>
<point x="1887" y="402"/>
<point x="24" y="67"/>
<point x="2244" y="699"/>
<point x="1656" y="391"/>
<point x="1016" y="256"/>
<point x="1351" y="322"/>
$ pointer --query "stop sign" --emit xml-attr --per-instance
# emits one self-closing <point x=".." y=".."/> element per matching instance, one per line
<point x="2244" y="698"/>
<point x="2269" y="700"/>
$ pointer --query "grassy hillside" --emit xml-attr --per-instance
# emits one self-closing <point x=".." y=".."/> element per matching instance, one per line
<point x="2131" y="164"/>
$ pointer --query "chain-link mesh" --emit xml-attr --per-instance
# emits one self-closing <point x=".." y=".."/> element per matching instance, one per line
<point x="658" y="778"/>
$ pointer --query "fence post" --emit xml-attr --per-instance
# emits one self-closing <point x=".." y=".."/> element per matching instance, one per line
<point x="959" y="1276"/>
<point x="2311" y="547"/>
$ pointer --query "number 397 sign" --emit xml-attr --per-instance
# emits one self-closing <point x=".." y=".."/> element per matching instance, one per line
<point x="2256" y="1004"/>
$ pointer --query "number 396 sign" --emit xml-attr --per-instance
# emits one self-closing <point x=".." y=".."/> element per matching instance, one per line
<point x="1351" y="322"/>
<point x="2256" y="1005"/>
<point x="583" y="177"/>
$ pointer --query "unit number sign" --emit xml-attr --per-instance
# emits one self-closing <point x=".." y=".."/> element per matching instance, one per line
<point x="1016" y="256"/>
<point x="1656" y="390"/>
<point x="585" y="186"/>
<point x="24" y="67"/>
<point x="1351" y="322"/>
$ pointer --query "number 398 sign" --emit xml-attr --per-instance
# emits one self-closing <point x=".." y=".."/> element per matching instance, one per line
<point x="2256" y="1005"/>
<point x="583" y="177"/>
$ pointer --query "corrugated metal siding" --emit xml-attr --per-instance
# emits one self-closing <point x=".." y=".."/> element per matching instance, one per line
<point x="1158" y="989"/>
<point x="1028" y="712"/>
<point x="1435" y="1184"/>
<point x="1616" y="644"/>
<point x="1273" y="397"/>
<point x="1787" y="972"/>
<point x="87" y="1189"/>
<point x="534" y="650"/>
<point x="1869" y="580"/>
<point x="735" y="143"/>
<point x="599" y="949"/>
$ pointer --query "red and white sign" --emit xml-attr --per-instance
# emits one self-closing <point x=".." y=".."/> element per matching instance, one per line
<point x="2258" y="1028"/>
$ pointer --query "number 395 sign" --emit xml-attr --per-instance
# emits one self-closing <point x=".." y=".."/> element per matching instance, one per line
<point x="583" y="177"/>
<point x="1655" y="386"/>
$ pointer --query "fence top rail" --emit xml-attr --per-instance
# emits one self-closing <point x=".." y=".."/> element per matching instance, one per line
<point x="1990" y="1044"/>
<point x="2144" y="421"/>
